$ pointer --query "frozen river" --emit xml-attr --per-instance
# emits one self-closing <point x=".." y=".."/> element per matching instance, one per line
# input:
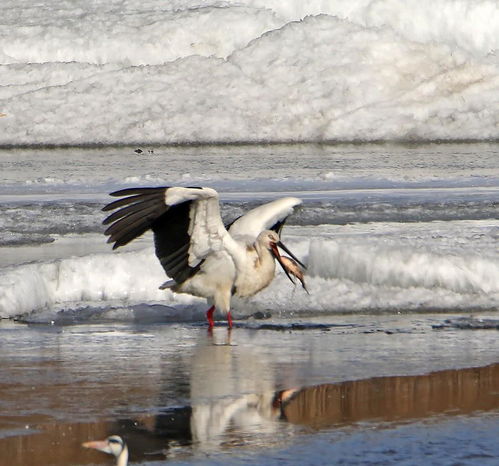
<point x="392" y="358"/>
<point x="397" y="238"/>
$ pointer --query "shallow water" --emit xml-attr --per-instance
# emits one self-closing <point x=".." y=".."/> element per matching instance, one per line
<point x="178" y="393"/>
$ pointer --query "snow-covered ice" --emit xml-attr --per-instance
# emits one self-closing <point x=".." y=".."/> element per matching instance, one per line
<point x="117" y="72"/>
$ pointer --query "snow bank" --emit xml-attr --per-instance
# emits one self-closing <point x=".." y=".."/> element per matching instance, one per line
<point x="340" y="278"/>
<point x="207" y="71"/>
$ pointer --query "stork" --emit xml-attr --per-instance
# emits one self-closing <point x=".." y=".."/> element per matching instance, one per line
<point x="114" y="445"/>
<point x="201" y="255"/>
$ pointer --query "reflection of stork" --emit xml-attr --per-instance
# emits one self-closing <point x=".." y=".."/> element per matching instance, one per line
<point x="194" y="247"/>
<point x="114" y="445"/>
<point x="232" y="389"/>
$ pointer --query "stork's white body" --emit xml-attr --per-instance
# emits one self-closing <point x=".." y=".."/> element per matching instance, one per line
<point x="223" y="275"/>
<point x="201" y="255"/>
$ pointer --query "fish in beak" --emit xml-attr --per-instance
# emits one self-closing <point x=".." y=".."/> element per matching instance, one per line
<point x="291" y="265"/>
<point x="292" y="268"/>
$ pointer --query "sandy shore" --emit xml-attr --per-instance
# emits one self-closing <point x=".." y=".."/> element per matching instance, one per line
<point x="176" y="392"/>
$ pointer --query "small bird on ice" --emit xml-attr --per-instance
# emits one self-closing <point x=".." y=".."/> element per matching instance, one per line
<point x="114" y="445"/>
<point x="198" y="252"/>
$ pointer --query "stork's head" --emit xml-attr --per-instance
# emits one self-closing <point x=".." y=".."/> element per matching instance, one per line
<point x="269" y="239"/>
<point x="113" y="445"/>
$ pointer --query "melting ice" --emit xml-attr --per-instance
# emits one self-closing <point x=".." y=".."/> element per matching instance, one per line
<point x="394" y="267"/>
<point x="383" y="229"/>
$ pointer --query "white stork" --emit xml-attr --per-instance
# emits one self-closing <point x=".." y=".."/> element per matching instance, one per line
<point x="114" y="445"/>
<point x="198" y="252"/>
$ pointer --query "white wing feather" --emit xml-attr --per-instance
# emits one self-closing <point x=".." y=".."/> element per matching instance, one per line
<point x="206" y="229"/>
<point x="263" y="217"/>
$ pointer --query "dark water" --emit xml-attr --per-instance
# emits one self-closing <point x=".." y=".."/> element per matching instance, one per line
<point x="344" y="390"/>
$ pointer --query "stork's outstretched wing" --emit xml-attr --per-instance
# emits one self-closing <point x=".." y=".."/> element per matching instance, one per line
<point x="186" y="223"/>
<point x="269" y="216"/>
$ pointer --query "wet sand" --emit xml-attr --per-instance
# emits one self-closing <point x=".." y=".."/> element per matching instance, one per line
<point x="178" y="394"/>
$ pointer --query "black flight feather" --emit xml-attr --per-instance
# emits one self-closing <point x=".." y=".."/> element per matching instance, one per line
<point x="142" y="209"/>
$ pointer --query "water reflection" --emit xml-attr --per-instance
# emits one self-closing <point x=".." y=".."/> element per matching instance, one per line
<point x="461" y="391"/>
<point x="232" y="397"/>
<point x="231" y="394"/>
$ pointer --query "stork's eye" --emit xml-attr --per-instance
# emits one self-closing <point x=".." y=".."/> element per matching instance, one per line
<point x="114" y="440"/>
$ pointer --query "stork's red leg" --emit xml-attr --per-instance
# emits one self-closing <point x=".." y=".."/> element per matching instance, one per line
<point x="209" y="316"/>
<point x="229" y="319"/>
